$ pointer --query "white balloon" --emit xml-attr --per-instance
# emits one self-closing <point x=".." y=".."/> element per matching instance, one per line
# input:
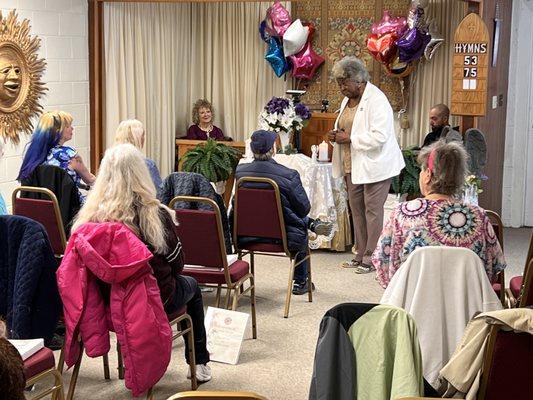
<point x="421" y="3"/>
<point x="294" y="38"/>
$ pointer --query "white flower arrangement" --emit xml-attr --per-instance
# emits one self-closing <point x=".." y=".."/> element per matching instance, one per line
<point x="282" y="115"/>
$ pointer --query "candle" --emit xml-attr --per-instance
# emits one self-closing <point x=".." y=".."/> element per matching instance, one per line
<point x="323" y="151"/>
<point x="248" y="149"/>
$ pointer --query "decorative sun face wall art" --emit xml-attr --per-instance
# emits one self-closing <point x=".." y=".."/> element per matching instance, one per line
<point x="20" y="77"/>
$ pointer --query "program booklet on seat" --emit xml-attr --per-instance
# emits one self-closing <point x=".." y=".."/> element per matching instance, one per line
<point x="27" y="347"/>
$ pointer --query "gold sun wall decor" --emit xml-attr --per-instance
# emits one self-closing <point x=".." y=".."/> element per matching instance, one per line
<point x="20" y="77"/>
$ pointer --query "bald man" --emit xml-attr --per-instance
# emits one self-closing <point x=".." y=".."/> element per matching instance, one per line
<point x="440" y="127"/>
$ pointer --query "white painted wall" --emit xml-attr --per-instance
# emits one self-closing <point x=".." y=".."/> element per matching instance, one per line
<point x="62" y="27"/>
<point x="517" y="207"/>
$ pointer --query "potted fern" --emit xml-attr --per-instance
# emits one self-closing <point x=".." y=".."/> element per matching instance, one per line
<point x="407" y="182"/>
<point x="214" y="160"/>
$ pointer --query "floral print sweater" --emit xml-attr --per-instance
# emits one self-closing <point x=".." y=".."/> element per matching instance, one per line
<point x="423" y="222"/>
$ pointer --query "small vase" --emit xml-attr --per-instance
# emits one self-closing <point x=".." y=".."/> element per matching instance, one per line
<point x="285" y="139"/>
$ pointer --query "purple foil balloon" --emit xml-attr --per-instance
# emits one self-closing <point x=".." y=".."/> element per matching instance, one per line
<point x="411" y="45"/>
<point x="262" y="31"/>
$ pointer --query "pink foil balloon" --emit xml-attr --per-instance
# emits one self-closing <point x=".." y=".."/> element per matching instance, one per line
<point x="389" y="24"/>
<point x="306" y="62"/>
<point x="278" y="19"/>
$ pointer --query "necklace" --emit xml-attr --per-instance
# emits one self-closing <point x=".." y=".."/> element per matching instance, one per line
<point x="208" y="129"/>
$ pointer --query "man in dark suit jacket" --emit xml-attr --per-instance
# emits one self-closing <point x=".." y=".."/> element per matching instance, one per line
<point x="440" y="127"/>
<point x="294" y="201"/>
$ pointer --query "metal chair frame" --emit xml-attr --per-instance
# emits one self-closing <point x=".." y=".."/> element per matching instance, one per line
<point x="55" y="203"/>
<point x="494" y="217"/>
<point x="237" y="288"/>
<point x="56" y="390"/>
<point x="293" y="262"/>
<point x="149" y="395"/>
<point x="211" y="395"/>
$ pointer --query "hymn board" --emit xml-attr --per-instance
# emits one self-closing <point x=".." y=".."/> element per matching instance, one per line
<point x="470" y="67"/>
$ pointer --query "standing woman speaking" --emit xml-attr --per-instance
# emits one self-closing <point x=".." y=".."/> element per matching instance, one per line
<point x="366" y="153"/>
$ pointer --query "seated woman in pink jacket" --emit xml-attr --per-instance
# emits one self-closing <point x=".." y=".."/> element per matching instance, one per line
<point x="123" y="192"/>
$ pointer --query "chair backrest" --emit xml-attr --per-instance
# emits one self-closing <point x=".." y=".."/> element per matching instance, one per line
<point x="209" y="395"/>
<point x="497" y="225"/>
<point x="507" y="366"/>
<point x="258" y="211"/>
<point x="200" y="232"/>
<point x="58" y="181"/>
<point x="526" y="293"/>
<point x="529" y="256"/>
<point x="45" y="212"/>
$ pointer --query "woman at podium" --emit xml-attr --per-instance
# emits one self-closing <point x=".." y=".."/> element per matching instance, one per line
<point x="202" y="118"/>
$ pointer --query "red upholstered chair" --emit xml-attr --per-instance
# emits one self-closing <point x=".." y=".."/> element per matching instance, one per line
<point x="40" y="367"/>
<point x="507" y="365"/>
<point x="204" y="252"/>
<point x="516" y="283"/>
<point x="258" y="213"/>
<point x="498" y="281"/>
<point x="46" y="212"/>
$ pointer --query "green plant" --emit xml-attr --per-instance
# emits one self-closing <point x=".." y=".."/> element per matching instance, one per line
<point x="407" y="181"/>
<point x="214" y="160"/>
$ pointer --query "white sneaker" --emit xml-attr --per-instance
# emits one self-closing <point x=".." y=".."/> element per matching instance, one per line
<point x="203" y="373"/>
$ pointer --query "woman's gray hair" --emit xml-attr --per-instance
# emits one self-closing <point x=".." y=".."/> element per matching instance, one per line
<point x="264" y="156"/>
<point x="352" y="68"/>
<point x="450" y="167"/>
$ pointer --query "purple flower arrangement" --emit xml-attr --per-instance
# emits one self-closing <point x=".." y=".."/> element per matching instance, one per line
<point x="282" y="115"/>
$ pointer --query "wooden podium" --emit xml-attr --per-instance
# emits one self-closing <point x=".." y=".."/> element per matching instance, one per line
<point x="316" y="131"/>
<point x="184" y="145"/>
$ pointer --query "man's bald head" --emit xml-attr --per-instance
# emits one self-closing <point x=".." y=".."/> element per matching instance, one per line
<point x="438" y="116"/>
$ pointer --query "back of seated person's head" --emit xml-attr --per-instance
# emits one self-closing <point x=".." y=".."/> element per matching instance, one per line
<point x="124" y="192"/>
<point x="130" y="131"/>
<point x="46" y="135"/>
<point x="12" y="380"/>
<point x="445" y="165"/>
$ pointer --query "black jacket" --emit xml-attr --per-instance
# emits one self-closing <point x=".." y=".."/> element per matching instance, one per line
<point x="62" y="185"/>
<point x="294" y="200"/>
<point x="29" y="299"/>
<point x="193" y="184"/>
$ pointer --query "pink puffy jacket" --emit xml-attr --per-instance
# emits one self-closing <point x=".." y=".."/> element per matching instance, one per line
<point x="112" y="253"/>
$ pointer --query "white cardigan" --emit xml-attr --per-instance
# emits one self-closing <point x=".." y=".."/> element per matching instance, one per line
<point x="375" y="152"/>
<point x="442" y="288"/>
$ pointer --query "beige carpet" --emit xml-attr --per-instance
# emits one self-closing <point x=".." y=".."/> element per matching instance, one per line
<point x="279" y="363"/>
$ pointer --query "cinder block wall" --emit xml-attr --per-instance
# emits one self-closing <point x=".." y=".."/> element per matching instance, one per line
<point x="62" y="27"/>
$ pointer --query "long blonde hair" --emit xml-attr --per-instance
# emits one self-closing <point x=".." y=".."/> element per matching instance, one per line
<point x="130" y="131"/>
<point x="123" y="192"/>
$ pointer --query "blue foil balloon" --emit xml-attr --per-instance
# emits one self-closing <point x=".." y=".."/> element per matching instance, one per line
<point x="262" y="31"/>
<point x="276" y="58"/>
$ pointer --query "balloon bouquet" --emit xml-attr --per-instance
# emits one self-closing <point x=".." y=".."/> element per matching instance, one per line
<point x="289" y="43"/>
<point x="399" y="42"/>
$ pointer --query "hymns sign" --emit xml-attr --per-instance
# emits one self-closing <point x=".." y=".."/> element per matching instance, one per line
<point x="470" y="67"/>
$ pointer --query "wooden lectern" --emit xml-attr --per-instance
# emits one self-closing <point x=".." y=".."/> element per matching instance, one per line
<point x="316" y="131"/>
<point x="184" y="145"/>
